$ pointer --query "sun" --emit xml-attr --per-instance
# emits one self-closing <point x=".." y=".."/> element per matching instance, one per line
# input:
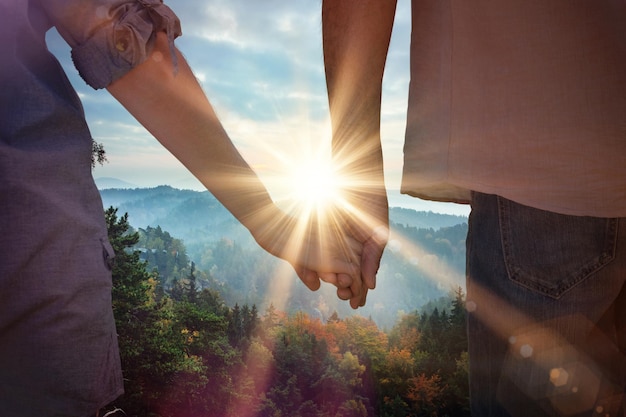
<point x="314" y="185"/>
<point x="302" y="175"/>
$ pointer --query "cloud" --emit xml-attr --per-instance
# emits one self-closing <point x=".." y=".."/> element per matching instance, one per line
<point x="261" y="65"/>
<point x="260" y="59"/>
<point x="260" y="26"/>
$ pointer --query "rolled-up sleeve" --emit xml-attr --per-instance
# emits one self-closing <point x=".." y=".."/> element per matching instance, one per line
<point x="110" y="37"/>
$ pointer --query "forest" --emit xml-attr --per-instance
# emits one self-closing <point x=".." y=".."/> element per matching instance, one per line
<point x="188" y="351"/>
<point x="425" y="258"/>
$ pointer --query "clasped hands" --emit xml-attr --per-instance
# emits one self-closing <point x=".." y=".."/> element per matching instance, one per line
<point x="346" y="258"/>
<point x="342" y="246"/>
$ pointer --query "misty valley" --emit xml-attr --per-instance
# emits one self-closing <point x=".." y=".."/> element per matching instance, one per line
<point x="211" y="325"/>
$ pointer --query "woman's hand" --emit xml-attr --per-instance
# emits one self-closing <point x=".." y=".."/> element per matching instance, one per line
<point x="317" y="248"/>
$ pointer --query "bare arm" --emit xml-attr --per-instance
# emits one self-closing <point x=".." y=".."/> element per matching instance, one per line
<point x="356" y="36"/>
<point x="172" y="106"/>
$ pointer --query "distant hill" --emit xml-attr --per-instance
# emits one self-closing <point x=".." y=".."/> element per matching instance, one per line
<point x="182" y="210"/>
<point x="424" y="259"/>
<point x="423" y="219"/>
<point x="187" y="214"/>
<point x="108" y="182"/>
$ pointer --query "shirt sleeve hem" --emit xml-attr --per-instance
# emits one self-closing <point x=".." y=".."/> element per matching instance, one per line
<point x="124" y="42"/>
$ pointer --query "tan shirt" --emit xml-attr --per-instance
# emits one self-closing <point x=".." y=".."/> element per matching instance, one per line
<point x="521" y="98"/>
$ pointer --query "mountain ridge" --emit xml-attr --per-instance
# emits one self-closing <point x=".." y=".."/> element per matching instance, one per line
<point x="168" y="196"/>
<point x="424" y="259"/>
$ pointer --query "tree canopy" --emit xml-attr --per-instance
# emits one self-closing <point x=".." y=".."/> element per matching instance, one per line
<point x="186" y="352"/>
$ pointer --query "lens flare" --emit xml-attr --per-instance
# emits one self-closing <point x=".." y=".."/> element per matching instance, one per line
<point x="315" y="186"/>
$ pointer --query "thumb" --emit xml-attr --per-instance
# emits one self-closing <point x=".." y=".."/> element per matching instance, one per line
<point x="308" y="277"/>
<point x="373" y="249"/>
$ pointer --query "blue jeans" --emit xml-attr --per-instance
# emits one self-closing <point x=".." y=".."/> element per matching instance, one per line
<point x="546" y="298"/>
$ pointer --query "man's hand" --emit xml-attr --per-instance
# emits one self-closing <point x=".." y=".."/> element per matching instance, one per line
<point x="356" y="36"/>
<point x="360" y="217"/>
<point x="368" y="222"/>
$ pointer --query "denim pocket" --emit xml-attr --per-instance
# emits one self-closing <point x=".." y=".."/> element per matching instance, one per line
<point x="550" y="253"/>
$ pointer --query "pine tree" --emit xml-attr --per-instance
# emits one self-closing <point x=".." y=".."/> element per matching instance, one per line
<point x="251" y="322"/>
<point x="130" y="297"/>
<point x="130" y="279"/>
<point x="192" y="289"/>
<point x="151" y="350"/>
<point x="235" y="326"/>
<point x="458" y="326"/>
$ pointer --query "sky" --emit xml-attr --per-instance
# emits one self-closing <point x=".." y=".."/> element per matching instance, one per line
<point x="260" y="64"/>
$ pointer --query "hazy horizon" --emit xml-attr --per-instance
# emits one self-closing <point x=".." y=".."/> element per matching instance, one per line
<point x="190" y="183"/>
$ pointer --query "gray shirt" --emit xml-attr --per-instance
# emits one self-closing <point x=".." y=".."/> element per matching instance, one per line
<point x="58" y="347"/>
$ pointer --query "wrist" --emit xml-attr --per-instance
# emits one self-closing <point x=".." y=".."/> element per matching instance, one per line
<point x="270" y="228"/>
